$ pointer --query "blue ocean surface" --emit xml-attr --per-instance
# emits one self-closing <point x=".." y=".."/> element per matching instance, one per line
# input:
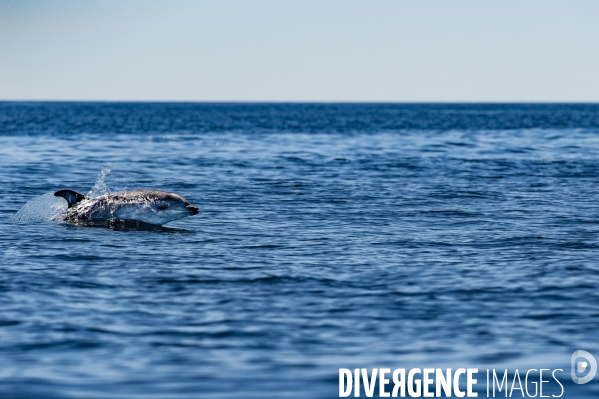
<point x="330" y="236"/>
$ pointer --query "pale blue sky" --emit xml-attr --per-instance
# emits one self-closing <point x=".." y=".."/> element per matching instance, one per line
<point x="288" y="50"/>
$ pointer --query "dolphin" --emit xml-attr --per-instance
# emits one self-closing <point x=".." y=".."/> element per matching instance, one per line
<point x="147" y="206"/>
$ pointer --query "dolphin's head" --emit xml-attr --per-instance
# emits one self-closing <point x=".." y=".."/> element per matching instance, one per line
<point x="151" y="206"/>
<point x="168" y="207"/>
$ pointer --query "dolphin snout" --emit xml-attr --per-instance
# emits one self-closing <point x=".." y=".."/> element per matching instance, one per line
<point x="192" y="209"/>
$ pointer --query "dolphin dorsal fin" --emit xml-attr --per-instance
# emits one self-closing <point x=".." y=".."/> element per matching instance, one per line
<point x="71" y="196"/>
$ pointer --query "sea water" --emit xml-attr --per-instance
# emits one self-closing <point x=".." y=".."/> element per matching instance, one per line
<point x="330" y="236"/>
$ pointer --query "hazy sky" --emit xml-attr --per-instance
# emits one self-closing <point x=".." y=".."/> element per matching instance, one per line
<point x="300" y="50"/>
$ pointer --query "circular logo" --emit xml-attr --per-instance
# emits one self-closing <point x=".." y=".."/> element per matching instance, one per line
<point x="578" y="365"/>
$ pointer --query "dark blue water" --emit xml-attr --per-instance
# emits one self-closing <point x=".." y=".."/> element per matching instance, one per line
<point x="330" y="236"/>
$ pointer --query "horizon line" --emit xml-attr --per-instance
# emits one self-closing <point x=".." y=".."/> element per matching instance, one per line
<point x="297" y="102"/>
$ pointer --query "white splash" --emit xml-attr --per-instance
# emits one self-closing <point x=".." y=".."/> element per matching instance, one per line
<point x="49" y="207"/>
<point x="43" y="207"/>
<point x="100" y="188"/>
